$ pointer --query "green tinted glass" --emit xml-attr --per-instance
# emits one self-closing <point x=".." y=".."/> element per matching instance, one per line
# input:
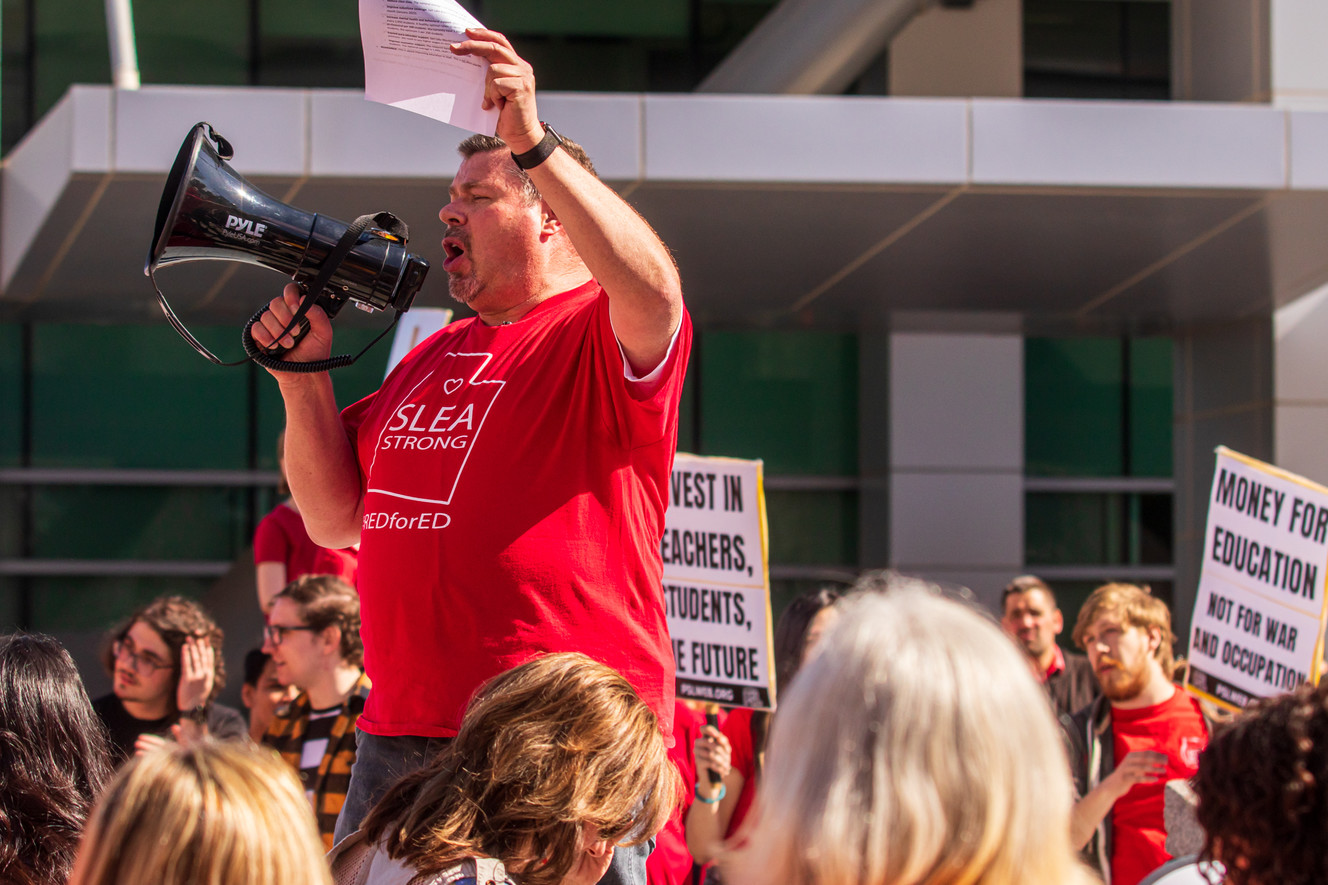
<point x="789" y="398"/>
<point x="66" y="604"/>
<point x="156" y="523"/>
<point x="1150" y="407"/>
<point x="11" y="395"/>
<point x="813" y="528"/>
<point x="1073" y="407"/>
<point x="1098" y="529"/>
<point x="135" y="396"/>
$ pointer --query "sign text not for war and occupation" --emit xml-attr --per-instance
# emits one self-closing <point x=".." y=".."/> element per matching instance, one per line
<point x="1259" y="609"/>
<point x="716" y="593"/>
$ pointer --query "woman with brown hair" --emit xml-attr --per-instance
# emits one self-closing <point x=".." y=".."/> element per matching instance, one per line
<point x="555" y="763"/>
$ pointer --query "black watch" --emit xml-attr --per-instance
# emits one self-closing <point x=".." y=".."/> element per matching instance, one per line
<point x="540" y="152"/>
<point x="198" y="715"/>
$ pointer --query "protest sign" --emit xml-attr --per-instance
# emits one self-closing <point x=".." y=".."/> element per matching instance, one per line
<point x="1257" y="628"/>
<point x="413" y="328"/>
<point x="716" y="583"/>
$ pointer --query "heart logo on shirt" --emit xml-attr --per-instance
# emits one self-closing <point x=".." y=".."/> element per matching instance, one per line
<point x="450" y="386"/>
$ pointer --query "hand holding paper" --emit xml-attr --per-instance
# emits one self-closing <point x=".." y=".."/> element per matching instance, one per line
<point x="408" y="62"/>
<point x="509" y="87"/>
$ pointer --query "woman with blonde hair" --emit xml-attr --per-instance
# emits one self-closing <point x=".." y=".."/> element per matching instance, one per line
<point x="555" y="763"/>
<point x="914" y="749"/>
<point x="214" y="813"/>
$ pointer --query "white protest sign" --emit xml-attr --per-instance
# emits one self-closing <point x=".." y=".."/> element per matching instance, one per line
<point x="1259" y="612"/>
<point x="408" y="63"/>
<point x="414" y="327"/>
<point x="716" y="584"/>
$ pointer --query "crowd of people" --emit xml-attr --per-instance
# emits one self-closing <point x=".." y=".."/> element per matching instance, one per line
<point x="917" y="740"/>
<point x="492" y="701"/>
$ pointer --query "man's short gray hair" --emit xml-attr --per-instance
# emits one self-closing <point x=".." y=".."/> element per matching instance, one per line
<point x="488" y="144"/>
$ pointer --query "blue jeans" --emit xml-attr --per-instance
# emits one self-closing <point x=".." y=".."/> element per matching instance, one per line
<point x="381" y="761"/>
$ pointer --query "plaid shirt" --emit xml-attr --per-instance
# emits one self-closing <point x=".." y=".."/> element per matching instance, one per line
<point x="286" y="735"/>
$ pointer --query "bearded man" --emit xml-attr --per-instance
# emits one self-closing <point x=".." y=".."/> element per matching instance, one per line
<point x="1142" y="732"/>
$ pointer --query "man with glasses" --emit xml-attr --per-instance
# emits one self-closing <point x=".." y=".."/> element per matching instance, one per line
<point x="313" y="636"/>
<point x="166" y="670"/>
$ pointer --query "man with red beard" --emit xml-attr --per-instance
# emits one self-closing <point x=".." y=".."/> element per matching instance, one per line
<point x="1142" y="732"/>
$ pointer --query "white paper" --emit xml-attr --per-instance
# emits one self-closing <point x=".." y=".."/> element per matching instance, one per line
<point x="407" y="63"/>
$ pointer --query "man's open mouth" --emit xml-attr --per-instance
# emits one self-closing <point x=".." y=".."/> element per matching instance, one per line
<point x="453" y="249"/>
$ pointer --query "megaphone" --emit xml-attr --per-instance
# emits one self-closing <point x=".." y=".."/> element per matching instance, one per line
<point x="208" y="212"/>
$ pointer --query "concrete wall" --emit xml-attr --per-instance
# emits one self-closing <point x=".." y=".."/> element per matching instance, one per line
<point x="961" y="52"/>
<point x="1220" y="50"/>
<point x="1299" y="69"/>
<point x="956" y="457"/>
<point x="1223" y="396"/>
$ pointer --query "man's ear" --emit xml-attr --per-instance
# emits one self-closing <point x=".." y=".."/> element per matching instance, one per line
<point x="247" y="696"/>
<point x="549" y="223"/>
<point x="331" y="637"/>
<point x="1057" y="622"/>
<point x="1154" y="640"/>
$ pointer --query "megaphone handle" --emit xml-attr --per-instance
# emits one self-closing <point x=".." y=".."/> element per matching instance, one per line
<point x="301" y="329"/>
<point x="268" y="359"/>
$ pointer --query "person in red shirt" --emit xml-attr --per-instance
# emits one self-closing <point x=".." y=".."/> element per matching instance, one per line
<point x="1143" y="732"/>
<point x="283" y="550"/>
<point x="507" y="483"/>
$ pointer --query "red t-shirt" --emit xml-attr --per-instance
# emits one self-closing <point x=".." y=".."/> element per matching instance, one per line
<point x="515" y="486"/>
<point x="738" y="729"/>
<point x="1139" y="836"/>
<point x="671" y="863"/>
<point x="281" y="537"/>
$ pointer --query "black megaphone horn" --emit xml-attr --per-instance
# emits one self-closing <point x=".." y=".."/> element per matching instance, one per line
<point x="208" y="212"/>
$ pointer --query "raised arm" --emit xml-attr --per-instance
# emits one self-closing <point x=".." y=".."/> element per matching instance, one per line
<point x="621" y="250"/>
<point x="321" y="469"/>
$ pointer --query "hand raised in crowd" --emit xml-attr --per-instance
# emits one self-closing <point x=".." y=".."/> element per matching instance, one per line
<point x="509" y="86"/>
<point x="713" y="751"/>
<point x="197" y="671"/>
<point x="1139" y="767"/>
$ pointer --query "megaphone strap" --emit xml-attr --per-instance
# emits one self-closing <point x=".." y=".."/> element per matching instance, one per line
<point x="383" y="221"/>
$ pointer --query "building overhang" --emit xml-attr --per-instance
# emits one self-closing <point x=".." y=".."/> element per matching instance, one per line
<point x="827" y="212"/>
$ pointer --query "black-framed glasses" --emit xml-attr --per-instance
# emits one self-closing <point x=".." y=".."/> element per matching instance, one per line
<point x="139" y="660"/>
<point x="275" y="634"/>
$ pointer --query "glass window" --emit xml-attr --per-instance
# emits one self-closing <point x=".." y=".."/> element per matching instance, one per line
<point x="11" y="395"/>
<point x="813" y="528"/>
<point x="1091" y="528"/>
<point x="97" y="604"/>
<point x="135" y="396"/>
<point x="1097" y="406"/>
<point x="1103" y="49"/>
<point x="789" y="398"/>
<point x="1073" y="404"/>
<point x="153" y="523"/>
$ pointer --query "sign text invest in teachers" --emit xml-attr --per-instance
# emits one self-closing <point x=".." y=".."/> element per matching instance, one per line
<point x="1259" y="611"/>
<point x="716" y="590"/>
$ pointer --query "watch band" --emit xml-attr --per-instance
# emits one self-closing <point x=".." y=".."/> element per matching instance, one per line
<point x="540" y="152"/>
<point x="199" y="714"/>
